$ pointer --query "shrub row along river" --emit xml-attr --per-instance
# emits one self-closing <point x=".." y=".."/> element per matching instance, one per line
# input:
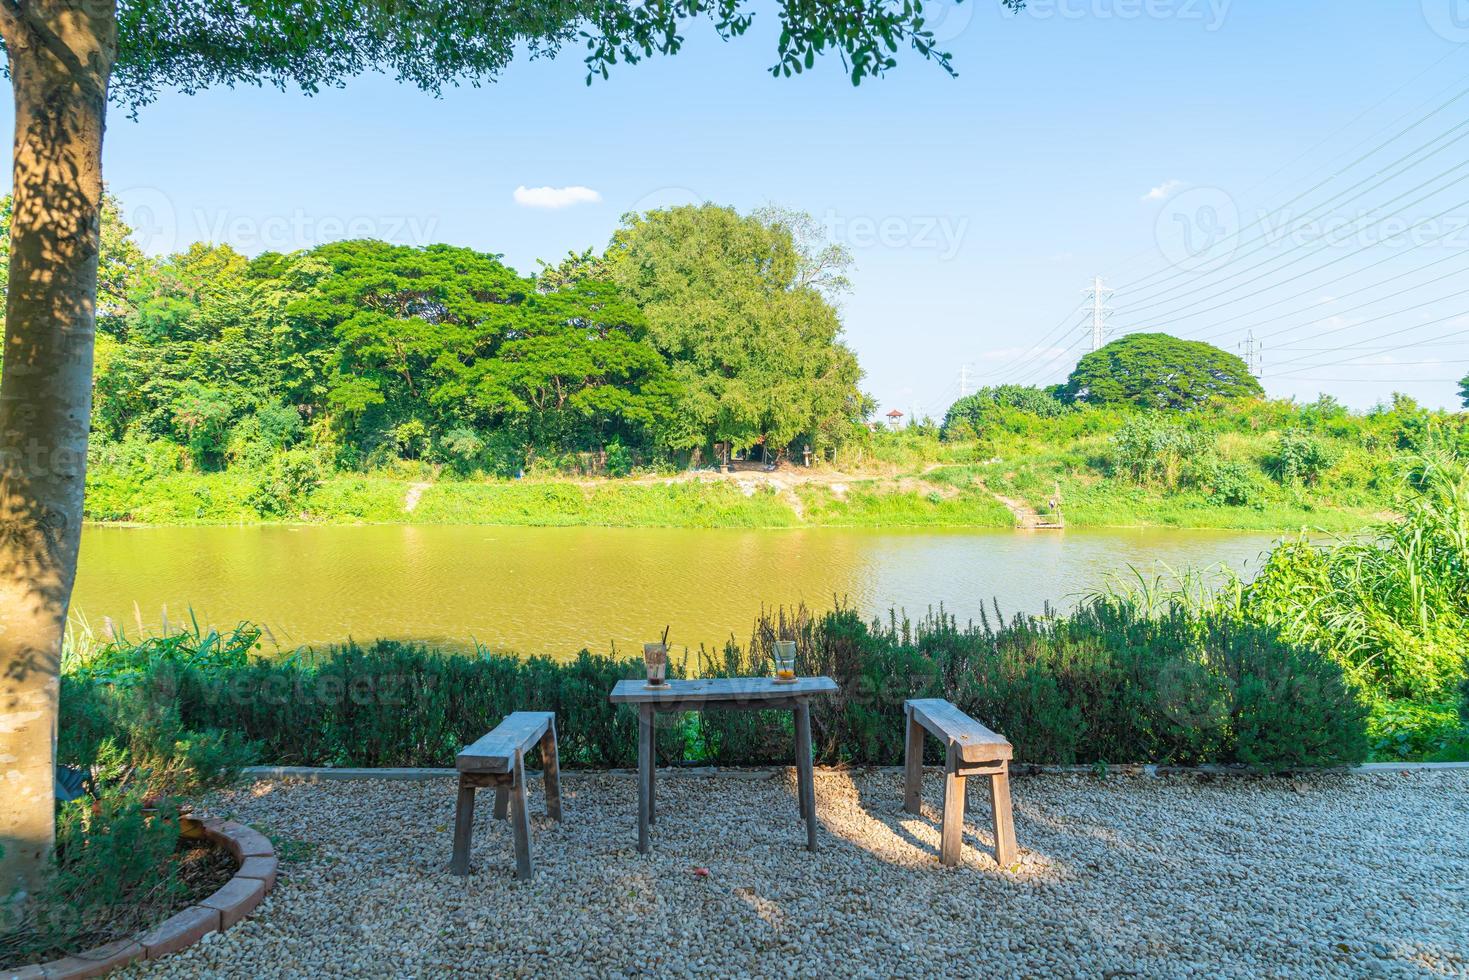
<point x="557" y="590"/>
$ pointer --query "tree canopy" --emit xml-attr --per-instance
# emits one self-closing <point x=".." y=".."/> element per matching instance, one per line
<point x="372" y="352"/>
<point x="196" y="44"/>
<point x="1155" y="370"/>
<point x="968" y="416"/>
<point x="1464" y="391"/>
<point x="737" y="305"/>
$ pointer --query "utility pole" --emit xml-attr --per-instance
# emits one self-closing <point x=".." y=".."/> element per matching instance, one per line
<point x="1254" y="355"/>
<point x="1100" y="311"/>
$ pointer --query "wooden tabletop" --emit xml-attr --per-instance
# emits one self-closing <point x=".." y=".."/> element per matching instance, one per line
<point x="637" y="691"/>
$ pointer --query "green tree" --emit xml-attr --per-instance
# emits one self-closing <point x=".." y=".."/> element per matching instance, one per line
<point x="1464" y="391"/>
<point x="67" y="59"/>
<point x="736" y="305"/>
<point x="969" y="416"/>
<point x="1154" y="370"/>
<point x="578" y="369"/>
<point x="424" y="342"/>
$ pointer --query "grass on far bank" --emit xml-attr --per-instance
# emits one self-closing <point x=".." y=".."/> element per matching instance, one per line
<point x="953" y="496"/>
<point x="224" y="498"/>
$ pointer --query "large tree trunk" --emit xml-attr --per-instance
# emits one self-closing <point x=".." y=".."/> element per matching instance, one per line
<point x="60" y="57"/>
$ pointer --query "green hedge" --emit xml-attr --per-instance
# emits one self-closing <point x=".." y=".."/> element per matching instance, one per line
<point x="1105" y="684"/>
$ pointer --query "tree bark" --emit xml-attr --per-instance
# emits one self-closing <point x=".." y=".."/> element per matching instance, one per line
<point x="60" y="56"/>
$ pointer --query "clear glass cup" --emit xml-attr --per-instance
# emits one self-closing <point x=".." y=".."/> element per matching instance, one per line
<point x="784" y="654"/>
<point x="655" y="658"/>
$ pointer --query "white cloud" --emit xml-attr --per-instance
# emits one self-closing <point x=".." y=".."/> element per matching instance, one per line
<point x="555" y="197"/>
<point x="1163" y="191"/>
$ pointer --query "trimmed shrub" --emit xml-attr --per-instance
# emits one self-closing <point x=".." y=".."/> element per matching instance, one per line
<point x="1110" y="682"/>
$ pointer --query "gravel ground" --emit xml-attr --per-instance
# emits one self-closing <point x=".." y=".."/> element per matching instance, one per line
<point x="1361" y="875"/>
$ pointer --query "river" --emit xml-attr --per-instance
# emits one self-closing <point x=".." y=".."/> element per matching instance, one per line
<point x="557" y="590"/>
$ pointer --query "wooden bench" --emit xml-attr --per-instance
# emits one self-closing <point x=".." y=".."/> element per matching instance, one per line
<point x="498" y="760"/>
<point x="973" y="750"/>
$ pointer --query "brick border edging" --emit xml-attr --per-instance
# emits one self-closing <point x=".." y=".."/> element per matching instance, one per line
<point x="312" y="774"/>
<point x="231" y="902"/>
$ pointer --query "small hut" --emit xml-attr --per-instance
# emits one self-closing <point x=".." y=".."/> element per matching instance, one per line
<point x="895" y="418"/>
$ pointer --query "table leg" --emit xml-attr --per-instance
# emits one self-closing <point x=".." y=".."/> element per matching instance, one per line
<point x="645" y="773"/>
<point x="800" y="783"/>
<point x="804" y="778"/>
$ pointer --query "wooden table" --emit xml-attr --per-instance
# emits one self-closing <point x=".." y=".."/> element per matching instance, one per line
<point x="740" y="694"/>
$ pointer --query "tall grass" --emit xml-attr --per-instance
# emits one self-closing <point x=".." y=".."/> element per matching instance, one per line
<point x="1391" y="606"/>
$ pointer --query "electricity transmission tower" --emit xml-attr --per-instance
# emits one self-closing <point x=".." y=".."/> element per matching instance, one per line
<point x="963" y="380"/>
<point x="1100" y="311"/>
<point x="1254" y="354"/>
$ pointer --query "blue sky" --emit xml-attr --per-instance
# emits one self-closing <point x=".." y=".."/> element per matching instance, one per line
<point x="977" y="208"/>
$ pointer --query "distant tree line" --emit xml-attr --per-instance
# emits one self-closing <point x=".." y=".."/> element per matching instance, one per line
<point x="697" y="328"/>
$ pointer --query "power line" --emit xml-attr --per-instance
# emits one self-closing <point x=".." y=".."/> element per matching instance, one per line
<point x="1198" y="331"/>
<point x="1322" y="243"/>
<point x="1046" y="365"/>
<point x="1381" y="381"/>
<point x="1061" y="328"/>
<point x="1330" y="262"/>
<point x="1384" y="336"/>
<point x="1351" y="309"/>
<point x="1264" y="237"/>
<point x="1130" y="260"/>
<point x="1313" y="148"/>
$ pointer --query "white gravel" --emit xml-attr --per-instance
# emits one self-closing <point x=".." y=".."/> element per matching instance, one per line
<point x="1361" y="875"/>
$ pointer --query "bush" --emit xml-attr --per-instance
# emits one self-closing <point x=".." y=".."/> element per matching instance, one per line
<point x="114" y="869"/>
<point x="1232" y="483"/>
<point x="291" y="478"/>
<point x="462" y="447"/>
<point x="1109" y="683"/>
<point x="1291" y="707"/>
<point x="1299" y="459"/>
<point x="1412" y="731"/>
<point x="619" y="458"/>
<point x="1150" y="450"/>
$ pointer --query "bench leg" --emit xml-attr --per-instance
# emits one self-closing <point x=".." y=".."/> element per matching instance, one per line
<point x="951" y="840"/>
<point x="463" y="828"/>
<point x="502" y="800"/>
<point x="1005" y="850"/>
<point x="520" y="821"/>
<point x="645" y="773"/>
<point x="805" y="782"/>
<point x="551" y="772"/>
<point x="912" y="764"/>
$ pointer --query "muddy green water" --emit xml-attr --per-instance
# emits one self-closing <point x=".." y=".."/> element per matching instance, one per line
<point x="557" y="590"/>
